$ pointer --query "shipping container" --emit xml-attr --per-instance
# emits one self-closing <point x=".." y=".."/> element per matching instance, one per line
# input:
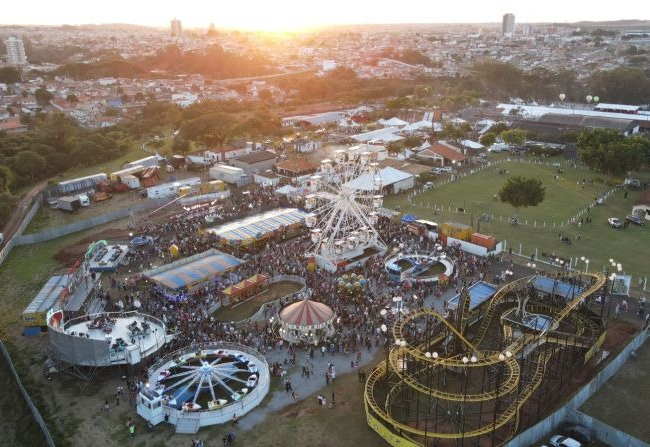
<point x="457" y="230"/>
<point x="146" y="162"/>
<point x="68" y="203"/>
<point x="135" y="170"/>
<point x="483" y="240"/>
<point x="165" y="190"/>
<point x="78" y="184"/>
<point x="130" y="180"/>
<point x="228" y="174"/>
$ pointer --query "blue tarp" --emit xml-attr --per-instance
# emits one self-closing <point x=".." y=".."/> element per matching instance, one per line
<point x="408" y="218"/>
<point x="554" y="287"/>
<point x="478" y="294"/>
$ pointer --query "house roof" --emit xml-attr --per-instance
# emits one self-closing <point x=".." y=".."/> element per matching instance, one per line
<point x="11" y="124"/>
<point x="296" y="165"/>
<point x="256" y="157"/>
<point x="444" y="150"/>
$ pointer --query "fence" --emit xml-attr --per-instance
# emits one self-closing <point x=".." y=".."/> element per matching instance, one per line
<point x="11" y="243"/>
<point x="552" y="422"/>
<point x="37" y="415"/>
<point x="54" y="233"/>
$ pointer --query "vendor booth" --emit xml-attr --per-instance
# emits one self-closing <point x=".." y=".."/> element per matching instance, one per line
<point x="244" y="289"/>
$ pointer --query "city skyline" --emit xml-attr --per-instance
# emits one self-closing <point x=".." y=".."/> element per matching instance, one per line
<point x="290" y="15"/>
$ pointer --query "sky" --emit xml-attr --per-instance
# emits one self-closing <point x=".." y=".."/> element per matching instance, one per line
<point x="288" y="15"/>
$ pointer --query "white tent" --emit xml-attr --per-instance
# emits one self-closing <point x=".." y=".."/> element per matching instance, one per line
<point x="385" y="135"/>
<point x="472" y="144"/>
<point x="393" y="122"/>
<point x="399" y="180"/>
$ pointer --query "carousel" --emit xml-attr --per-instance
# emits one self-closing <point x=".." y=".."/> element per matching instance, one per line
<point x="306" y="321"/>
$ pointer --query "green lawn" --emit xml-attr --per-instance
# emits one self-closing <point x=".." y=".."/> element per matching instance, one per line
<point x="564" y="199"/>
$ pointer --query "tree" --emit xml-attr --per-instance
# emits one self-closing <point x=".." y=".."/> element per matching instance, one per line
<point x="43" y="97"/>
<point x="72" y="98"/>
<point x="515" y="137"/>
<point x="265" y="95"/>
<point x="611" y="152"/>
<point x="180" y="145"/>
<point x="522" y="192"/>
<point x="455" y="132"/>
<point x="9" y="75"/>
<point x="488" y="139"/>
<point x="29" y="163"/>
<point x="7" y="178"/>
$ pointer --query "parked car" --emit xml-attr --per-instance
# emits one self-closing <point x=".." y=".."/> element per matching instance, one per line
<point x="563" y="441"/>
<point x="443" y="170"/>
<point x="615" y="222"/>
<point x="635" y="219"/>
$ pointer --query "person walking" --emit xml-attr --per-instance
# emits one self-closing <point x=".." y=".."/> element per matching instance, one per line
<point x="235" y="421"/>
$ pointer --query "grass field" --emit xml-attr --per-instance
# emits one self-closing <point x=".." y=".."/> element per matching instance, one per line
<point x="248" y="308"/>
<point x="564" y="199"/>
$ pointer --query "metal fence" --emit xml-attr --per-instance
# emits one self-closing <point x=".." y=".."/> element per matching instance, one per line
<point x="37" y="415"/>
<point x="54" y="233"/>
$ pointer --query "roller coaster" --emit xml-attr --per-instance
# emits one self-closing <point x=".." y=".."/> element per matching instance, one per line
<point x="479" y="376"/>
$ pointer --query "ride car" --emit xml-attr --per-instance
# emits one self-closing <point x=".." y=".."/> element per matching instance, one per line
<point x="635" y="219"/>
<point x="563" y="441"/>
<point x="615" y="222"/>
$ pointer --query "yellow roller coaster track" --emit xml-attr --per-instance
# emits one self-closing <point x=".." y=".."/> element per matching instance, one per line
<point x="510" y="382"/>
<point x="512" y="411"/>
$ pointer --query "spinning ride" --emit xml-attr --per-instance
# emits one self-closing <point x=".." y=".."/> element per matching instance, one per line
<point x="344" y="210"/>
<point x="217" y="381"/>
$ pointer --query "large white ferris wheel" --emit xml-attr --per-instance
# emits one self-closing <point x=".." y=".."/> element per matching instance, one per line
<point x="343" y="209"/>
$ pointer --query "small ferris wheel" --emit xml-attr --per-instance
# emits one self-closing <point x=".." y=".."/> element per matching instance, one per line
<point x="343" y="209"/>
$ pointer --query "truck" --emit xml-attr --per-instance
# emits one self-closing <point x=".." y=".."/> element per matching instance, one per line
<point x="68" y="203"/>
<point x="84" y="200"/>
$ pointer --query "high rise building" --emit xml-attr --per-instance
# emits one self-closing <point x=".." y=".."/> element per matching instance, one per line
<point x="177" y="28"/>
<point x="508" y="24"/>
<point x="15" y="51"/>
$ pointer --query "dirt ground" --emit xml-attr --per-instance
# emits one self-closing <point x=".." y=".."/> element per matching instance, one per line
<point x="67" y="256"/>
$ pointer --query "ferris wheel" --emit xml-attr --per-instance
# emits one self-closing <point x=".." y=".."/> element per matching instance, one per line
<point x="343" y="209"/>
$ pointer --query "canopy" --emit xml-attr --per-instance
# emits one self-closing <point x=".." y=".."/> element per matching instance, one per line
<point x="253" y="282"/>
<point x="257" y="227"/>
<point x="193" y="271"/>
<point x="306" y="314"/>
<point x="388" y="175"/>
<point x="408" y="218"/>
<point x="555" y="287"/>
<point x="478" y="293"/>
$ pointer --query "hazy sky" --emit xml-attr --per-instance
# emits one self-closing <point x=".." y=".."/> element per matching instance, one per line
<point x="280" y="15"/>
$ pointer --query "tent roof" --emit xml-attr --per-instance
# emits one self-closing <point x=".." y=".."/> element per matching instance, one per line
<point x="258" y="226"/>
<point x="306" y="313"/>
<point x="472" y="144"/>
<point x="394" y="121"/>
<point x="388" y="176"/>
<point x="409" y="218"/>
<point x="193" y="270"/>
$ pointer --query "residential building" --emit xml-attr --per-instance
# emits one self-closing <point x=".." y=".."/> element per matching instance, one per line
<point x="255" y="162"/>
<point x="177" y="28"/>
<point x="15" y="51"/>
<point x="508" y="25"/>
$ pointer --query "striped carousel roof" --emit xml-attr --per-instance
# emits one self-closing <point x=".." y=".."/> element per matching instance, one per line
<point x="306" y="313"/>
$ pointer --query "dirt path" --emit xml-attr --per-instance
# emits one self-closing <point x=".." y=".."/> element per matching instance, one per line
<point x="21" y="210"/>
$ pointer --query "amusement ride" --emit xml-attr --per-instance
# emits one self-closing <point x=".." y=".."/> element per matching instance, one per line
<point x="343" y="210"/>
